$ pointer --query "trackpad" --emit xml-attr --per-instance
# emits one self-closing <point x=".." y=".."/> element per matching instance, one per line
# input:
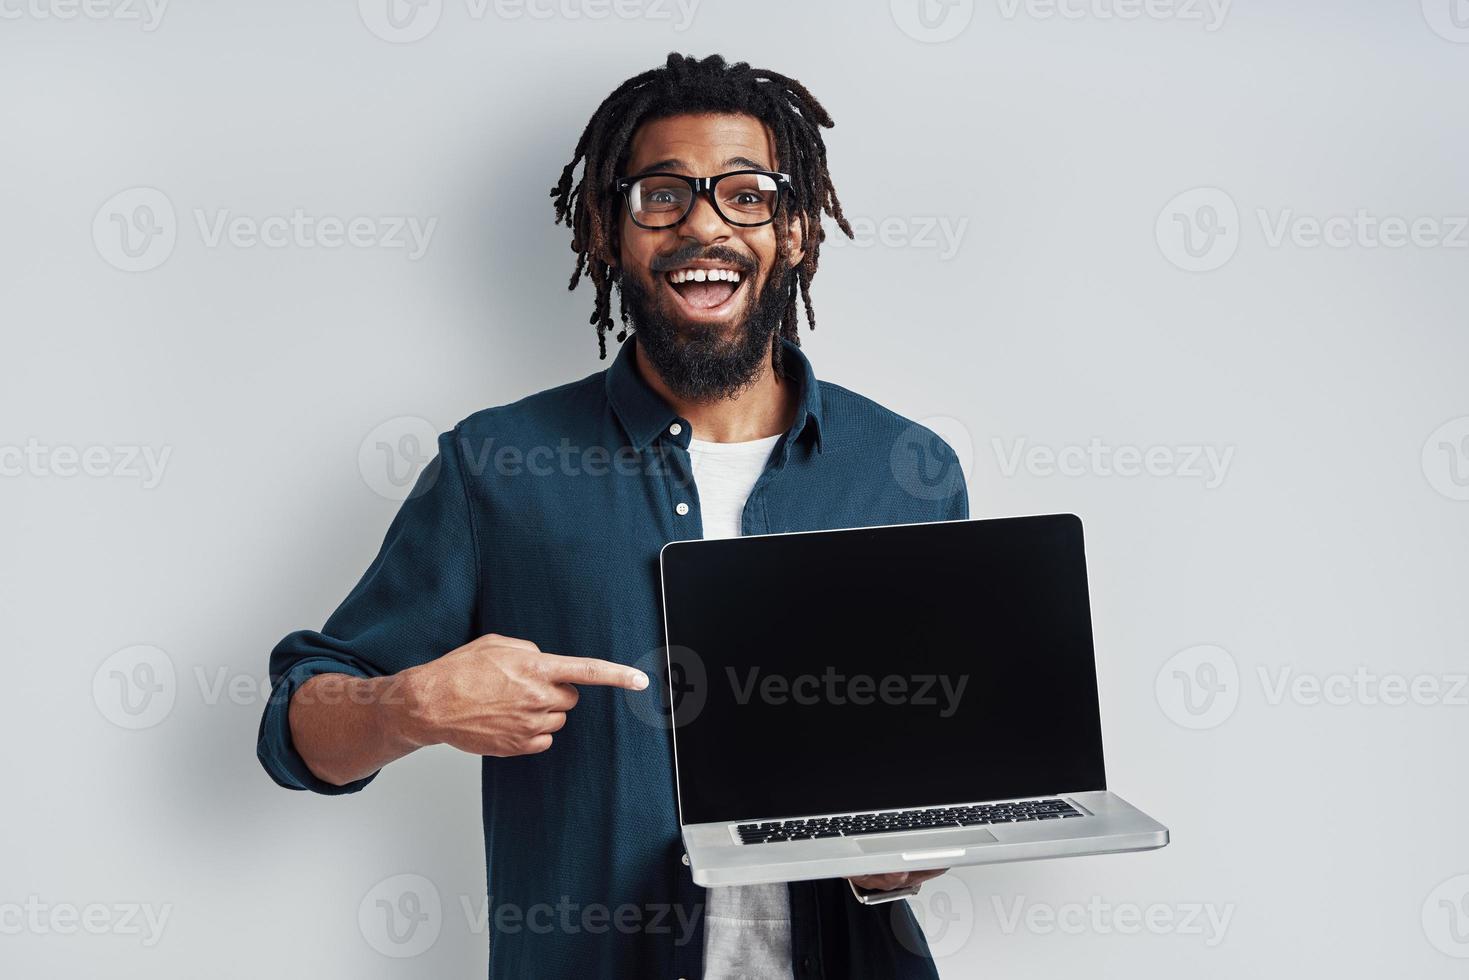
<point x="943" y="840"/>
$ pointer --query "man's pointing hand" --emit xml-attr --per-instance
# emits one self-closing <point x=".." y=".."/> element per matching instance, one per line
<point x="501" y="696"/>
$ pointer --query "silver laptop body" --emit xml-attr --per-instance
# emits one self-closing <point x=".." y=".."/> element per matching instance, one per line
<point x="872" y="700"/>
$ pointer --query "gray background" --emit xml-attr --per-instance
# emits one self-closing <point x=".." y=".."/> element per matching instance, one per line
<point x="1327" y="836"/>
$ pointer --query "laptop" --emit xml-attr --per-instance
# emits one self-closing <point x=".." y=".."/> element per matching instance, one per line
<point x="886" y="699"/>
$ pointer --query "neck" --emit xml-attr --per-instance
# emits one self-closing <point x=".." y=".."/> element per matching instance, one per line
<point x="767" y="407"/>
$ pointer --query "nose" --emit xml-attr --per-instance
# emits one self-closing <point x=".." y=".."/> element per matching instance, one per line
<point x="703" y="223"/>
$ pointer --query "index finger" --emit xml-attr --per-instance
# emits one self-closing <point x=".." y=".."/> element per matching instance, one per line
<point x="589" y="670"/>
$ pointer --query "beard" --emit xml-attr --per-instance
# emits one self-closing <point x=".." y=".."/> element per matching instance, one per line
<point x="696" y="361"/>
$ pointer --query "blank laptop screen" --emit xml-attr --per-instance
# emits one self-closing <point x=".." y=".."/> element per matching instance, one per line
<point x="881" y="668"/>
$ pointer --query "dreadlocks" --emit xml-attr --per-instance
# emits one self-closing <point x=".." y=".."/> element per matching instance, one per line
<point x="589" y="207"/>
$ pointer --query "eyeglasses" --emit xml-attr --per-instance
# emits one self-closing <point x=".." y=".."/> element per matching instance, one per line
<point x="744" y="198"/>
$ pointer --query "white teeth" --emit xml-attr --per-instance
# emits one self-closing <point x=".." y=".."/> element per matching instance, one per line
<point x="703" y="275"/>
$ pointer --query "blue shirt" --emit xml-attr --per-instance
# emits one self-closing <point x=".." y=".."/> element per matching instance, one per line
<point x="542" y="520"/>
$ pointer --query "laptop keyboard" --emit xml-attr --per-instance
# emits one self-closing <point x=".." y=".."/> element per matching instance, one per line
<point x="855" y="825"/>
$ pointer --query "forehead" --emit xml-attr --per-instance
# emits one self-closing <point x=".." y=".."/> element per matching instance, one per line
<point x="702" y="144"/>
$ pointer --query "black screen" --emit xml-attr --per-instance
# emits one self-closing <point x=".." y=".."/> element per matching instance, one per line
<point x="879" y="668"/>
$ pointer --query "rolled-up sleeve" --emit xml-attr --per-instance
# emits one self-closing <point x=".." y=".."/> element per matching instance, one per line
<point x="415" y="603"/>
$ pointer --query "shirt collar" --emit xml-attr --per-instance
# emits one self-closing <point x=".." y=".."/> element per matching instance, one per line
<point x="644" y="413"/>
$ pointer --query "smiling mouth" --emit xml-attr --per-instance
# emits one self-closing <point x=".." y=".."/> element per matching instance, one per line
<point x="707" y="292"/>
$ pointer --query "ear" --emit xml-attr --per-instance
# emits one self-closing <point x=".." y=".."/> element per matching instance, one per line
<point x="798" y="245"/>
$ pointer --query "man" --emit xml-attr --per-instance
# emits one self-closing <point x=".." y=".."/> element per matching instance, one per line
<point x="512" y="611"/>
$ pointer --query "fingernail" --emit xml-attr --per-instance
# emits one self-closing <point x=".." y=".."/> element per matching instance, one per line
<point x="639" y="680"/>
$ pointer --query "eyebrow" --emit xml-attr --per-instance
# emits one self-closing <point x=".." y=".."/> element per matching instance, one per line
<point x="673" y="163"/>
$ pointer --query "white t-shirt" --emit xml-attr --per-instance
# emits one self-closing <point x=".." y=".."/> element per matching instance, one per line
<point x="747" y="928"/>
<point x="725" y="473"/>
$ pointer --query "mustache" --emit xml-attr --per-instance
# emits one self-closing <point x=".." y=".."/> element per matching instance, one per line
<point x="693" y="252"/>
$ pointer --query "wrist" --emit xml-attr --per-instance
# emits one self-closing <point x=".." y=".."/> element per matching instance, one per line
<point x="402" y="714"/>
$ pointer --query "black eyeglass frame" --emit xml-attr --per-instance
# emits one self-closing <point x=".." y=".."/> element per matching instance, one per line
<point x="704" y="185"/>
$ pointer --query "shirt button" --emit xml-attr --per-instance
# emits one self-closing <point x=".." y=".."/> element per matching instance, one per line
<point x="681" y="509"/>
<point x="686" y="860"/>
<point x="675" y="429"/>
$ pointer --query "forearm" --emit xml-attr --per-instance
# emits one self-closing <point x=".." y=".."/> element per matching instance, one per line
<point x="347" y="728"/>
